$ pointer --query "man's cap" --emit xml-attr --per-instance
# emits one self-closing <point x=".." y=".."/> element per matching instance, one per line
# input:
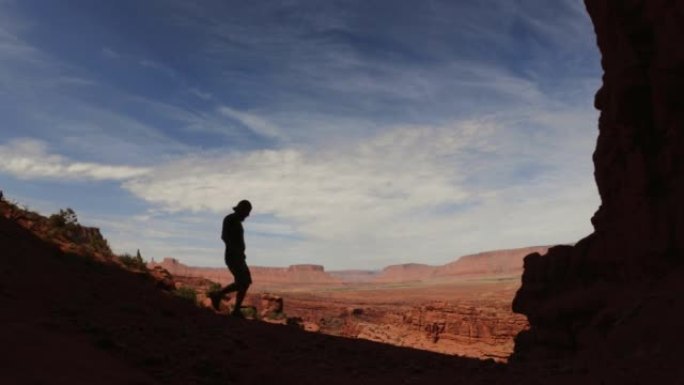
<point x="243" y="205"/>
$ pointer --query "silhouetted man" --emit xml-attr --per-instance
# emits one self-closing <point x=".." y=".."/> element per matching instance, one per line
<point x="233" y="236"/>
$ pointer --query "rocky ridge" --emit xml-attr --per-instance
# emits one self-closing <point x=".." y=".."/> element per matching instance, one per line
<point x="61" y="229"/>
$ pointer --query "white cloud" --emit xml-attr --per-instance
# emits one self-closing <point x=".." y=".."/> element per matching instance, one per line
<point x="410" y="194"/>
<point x="29" y="159"/>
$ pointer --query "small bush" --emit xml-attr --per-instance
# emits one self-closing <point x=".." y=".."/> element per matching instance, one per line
<point x="101" y="245"/>
<point x="135" y="263"/>
<point x="213" y="288"/>
<point x="188" y="293"/>
<point x="249" y="312"/>
<point x="272" y="315"/>
<point x="64" y="218"/>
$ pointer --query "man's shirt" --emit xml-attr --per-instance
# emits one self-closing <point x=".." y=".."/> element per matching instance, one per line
<point x="233" y="235"/>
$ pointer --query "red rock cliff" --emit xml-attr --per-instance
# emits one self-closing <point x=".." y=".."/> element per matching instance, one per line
<point x="579" y="297"/>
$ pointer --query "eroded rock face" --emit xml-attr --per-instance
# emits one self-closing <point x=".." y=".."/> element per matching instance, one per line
<point x="480" y="327"/>
<point x="271" y="306"/>
<point x="489" y="262"/>
<point x="163" y="278"/>
<point x="406" y="272"/>
<point x="577" y="297"/>
<point x="482" y="331"/>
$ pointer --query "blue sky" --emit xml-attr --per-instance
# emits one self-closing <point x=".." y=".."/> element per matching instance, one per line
<point x="364" y="133"/>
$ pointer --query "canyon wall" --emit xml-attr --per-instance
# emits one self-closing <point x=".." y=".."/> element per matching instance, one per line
<point x="579" y="298"/>
<point x="477" y="327"/>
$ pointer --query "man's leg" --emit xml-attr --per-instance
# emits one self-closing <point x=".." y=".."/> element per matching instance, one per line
<point x="241" y="292"/>
<point x="243" y="278"/>
<point x="217" y="296"/>
<point x="230" y="288"/>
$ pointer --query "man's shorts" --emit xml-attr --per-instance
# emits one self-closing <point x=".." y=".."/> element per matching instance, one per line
<point x="238" y="267"/>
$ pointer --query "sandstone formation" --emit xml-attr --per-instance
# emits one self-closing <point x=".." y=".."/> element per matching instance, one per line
<point x="354" y="276"/>
<point x="271" y="307"/>
<point x="615" y="297"/>
<point x="469" y="318"/>
<point x="163" y="278"/>
<point x="405" y="272"/>
<point x="482" y="330"/>
<point x="477" y="324"/>
<point x="504" y="262"/>
<point x="489" y="263"/>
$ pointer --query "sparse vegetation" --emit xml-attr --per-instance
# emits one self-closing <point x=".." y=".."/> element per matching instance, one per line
<point x="273" y="315"/>
<point x="213" y="288"/>
<point x="63" y="219"/>
<point x="133" y="262"/>
<point x="100" y="244"/>
<point x="249" y="312"/>
<point x="187" y="292"/>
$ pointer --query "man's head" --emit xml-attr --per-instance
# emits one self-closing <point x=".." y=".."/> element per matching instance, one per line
<point x="243" y="209"/>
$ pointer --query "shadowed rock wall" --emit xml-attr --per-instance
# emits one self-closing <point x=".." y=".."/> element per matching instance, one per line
<point x="575" y="295"/>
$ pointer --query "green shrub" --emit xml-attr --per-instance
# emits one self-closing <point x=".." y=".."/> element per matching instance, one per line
<point x="188" y="293"/>
<point x="101" y="245"/>
<point x="64" y="218"/>
<point x="213" y="288"/>
<point x="249" y="312"/>
<point x="135" y="263"/>
<point x="272" y="315"/>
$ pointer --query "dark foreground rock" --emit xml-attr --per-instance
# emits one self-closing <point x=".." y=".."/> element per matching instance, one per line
<point x="614" y="299"/>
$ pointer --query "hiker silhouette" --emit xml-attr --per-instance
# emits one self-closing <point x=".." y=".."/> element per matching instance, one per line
<point x="232" y="235"/>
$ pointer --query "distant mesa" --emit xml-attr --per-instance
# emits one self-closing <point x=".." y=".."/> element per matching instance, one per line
<point x="490" y="262"/>
<point x="406" y="272"/>
<point x="305" y="273"/>
<point x="305" y="268"/>
<point x="354" y="276"/>
<point x="499" y="262"/>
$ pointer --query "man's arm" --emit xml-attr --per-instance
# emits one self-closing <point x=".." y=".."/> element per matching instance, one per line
<point x="224" y="230"/>
<point x="233" y="236"/>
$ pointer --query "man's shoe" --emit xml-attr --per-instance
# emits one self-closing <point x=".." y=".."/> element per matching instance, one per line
<point x="216" y="300"/>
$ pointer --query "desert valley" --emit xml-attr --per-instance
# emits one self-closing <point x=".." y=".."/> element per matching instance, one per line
<point x="461" y="308"/>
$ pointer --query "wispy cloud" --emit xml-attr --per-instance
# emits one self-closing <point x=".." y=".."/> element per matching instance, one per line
<point x="410" y="192"/>
<point x="201" y="94"/>
<point x="29" y="159"/>
<point x="252" y="121"/>
<point x="110" y="53"/>
<point x="365" y="134"/>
